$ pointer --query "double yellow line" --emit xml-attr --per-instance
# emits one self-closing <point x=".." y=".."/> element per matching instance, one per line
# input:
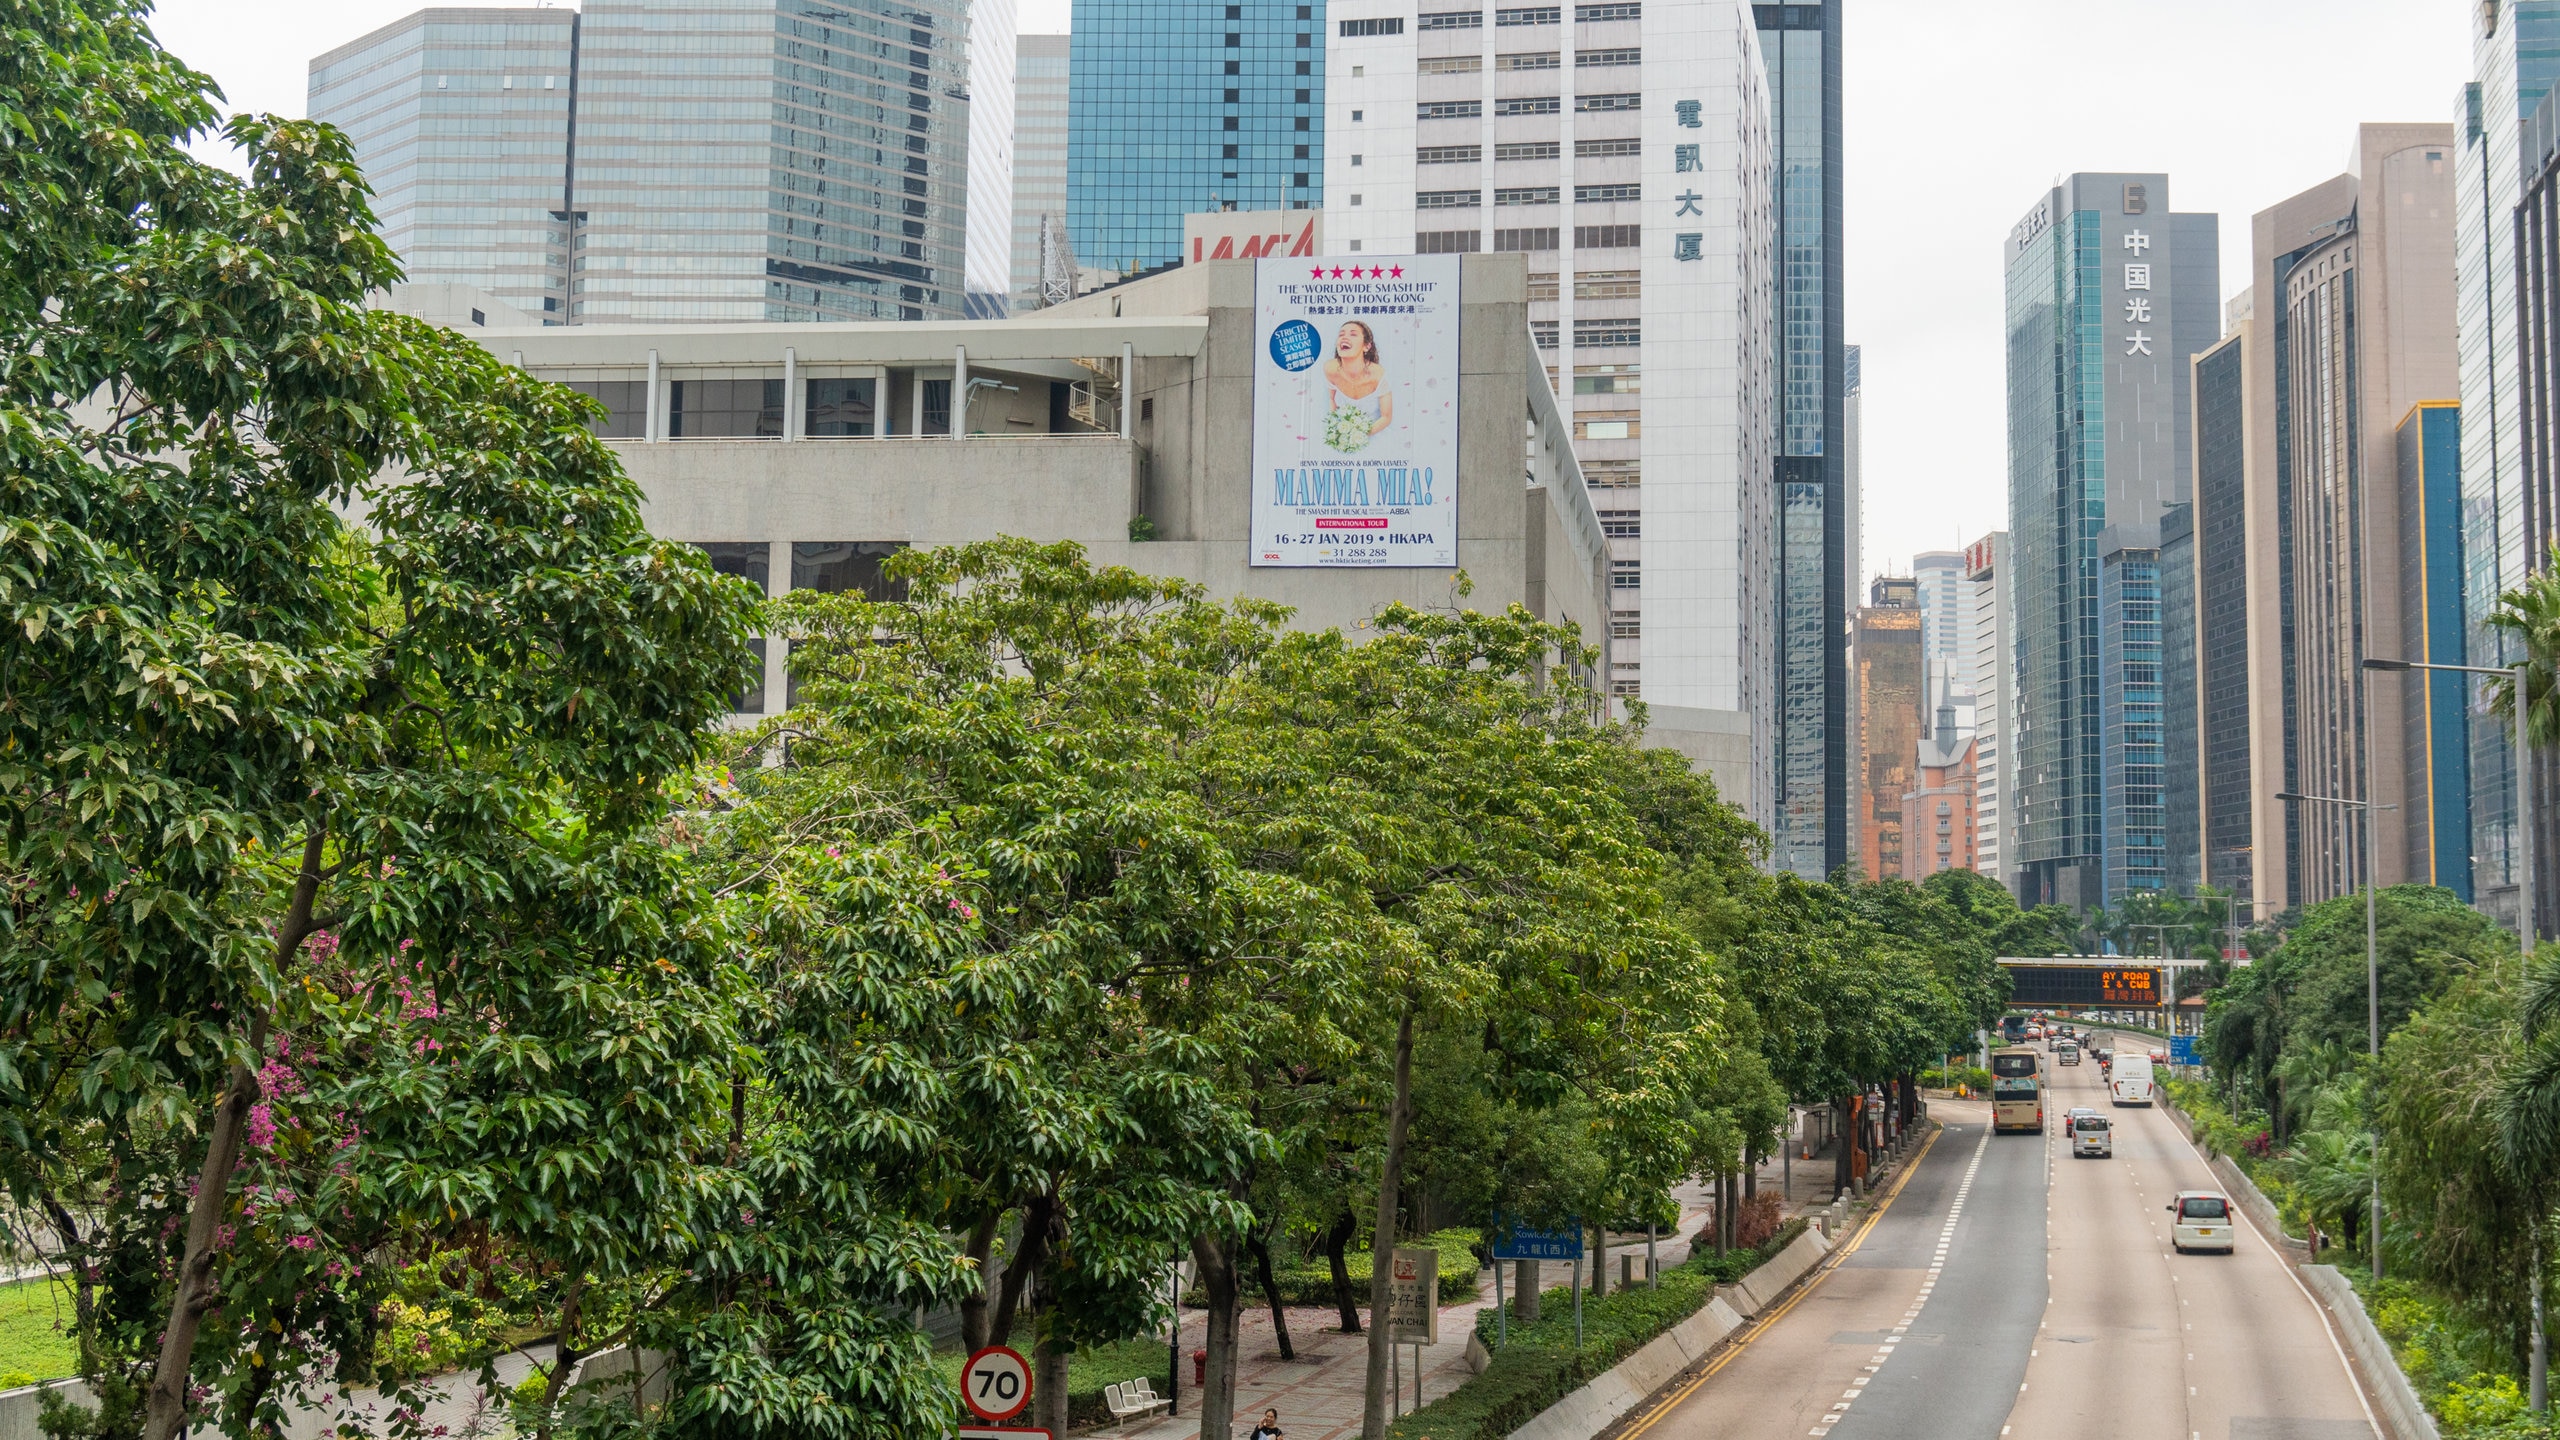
<point x="1760" y="1326"/>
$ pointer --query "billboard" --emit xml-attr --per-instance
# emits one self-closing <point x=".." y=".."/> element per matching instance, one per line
<point x="2062" y="983"/>
<point x="1355" y="411"/>
<point x="1251" y="234"/>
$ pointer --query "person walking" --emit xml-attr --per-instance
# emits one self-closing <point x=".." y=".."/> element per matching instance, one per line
<point x="1269" y="1429"/>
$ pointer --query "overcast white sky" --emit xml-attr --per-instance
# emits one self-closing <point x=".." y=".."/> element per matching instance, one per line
<point x="1958" y="115"/>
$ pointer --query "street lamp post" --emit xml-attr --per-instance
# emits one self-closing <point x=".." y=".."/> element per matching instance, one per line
<point x="2526" y="923"/>
<point x="2372" y="985"/>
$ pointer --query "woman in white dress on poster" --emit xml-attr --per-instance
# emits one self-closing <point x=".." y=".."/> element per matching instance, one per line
<point x="1358" y="402"/>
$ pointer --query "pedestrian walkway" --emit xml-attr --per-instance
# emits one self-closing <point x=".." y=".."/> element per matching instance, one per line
<point x="1319" y="1394"/>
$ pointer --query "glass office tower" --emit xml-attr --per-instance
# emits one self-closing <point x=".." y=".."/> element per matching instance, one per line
<point x="1039" y="155"/>
<point x="1177" y="107"/>
<point x="2109" y="294"/>
<point x="1800" y="48"/>
<point x="693" y="160"/>
<point x="460" y="119"/>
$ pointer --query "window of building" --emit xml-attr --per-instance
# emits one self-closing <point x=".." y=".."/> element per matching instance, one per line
<point x="1451" y="20"/>
<point x="839" y="407"/>
<point x="1622" y="524"/>
<point x="1586" y="104"/>
<point x="1444" y="110"/>
<point x="1605" y="194"/>
<point x="1608" y="285"/>
<point x="1529" y="105"/>
<point x="1534" y="150"/>
<point x="1611" y="474"/>
<point x="2137" y="199"/>
<point x="1625" y="624"/>
<point x="1604" y="427"/>
<point x="626" y="404"/>
<point x="1607" y="237"/>
<point x="1446" y="242"/>
<point x="1530" y="15"/>
<point x="1531" y="238"/>
<point x="1234" y="39"/>
<point x="1597" y="149"/>
<point x="1607" y="332"/>
<point x="1448" y="199"/>
<point x="1305" y="40"/>
<point x="1386" y="25"/>
<point x="1607" y="379"/>
<point x="1526" y="195"/>
<point x="724" y="409"/>
<point x="1528" y="60"/>
<point x="1593" y="14"/>
<point x="833" y="567"/>
<point x="1452" y="65"/>
<point x="1626" y="574"/>
<point x="1446" y="155"/>
<point x="937" y="410"/>
<point x="1591" y="59"/>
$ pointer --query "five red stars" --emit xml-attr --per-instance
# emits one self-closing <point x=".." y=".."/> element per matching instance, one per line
<point x="1374" y="272"/>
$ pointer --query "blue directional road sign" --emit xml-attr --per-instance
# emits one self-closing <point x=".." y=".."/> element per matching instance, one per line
<point x="2182" y="1050"/>
<point x="1518" y="1244"/>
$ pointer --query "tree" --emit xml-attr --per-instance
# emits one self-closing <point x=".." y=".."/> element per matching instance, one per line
<point x="244" y="727"/>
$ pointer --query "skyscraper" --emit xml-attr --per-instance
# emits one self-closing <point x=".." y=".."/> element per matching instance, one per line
<point x="1173" y="108"/>
<point x="1625" y="146"/>
<point x="1817" y="504"/>
<point x="2367" y="335"/>
<point x="691" y="160"/>
<point x="1890" y="707"/>
<point x="1946" y="622"/>
<point x="2109" y="292"/>
<point x="461" y="122"/>
<point x="1039" y="155"/>
<point x="992" y="58"/>
<point x="1987" y="570"/>
<point x="2515" y="58"/>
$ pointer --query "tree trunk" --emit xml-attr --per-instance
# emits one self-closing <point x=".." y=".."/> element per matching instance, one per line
<point x="1382" y="1248"/>
<point x="564" y="1357"/>
<point x="1049" y="1386"/>
<point x="1750" y="1172"/>
<point x="1271" y="1291"/>
<point x="977" y="1306"/>
<point x="1336" y="1241"/>
<point x="1910" y="1101"/>
<point x="1524" y="1291"/>
<point x="1039" y="1222"/>
<point x="165" y="1405"/>
<point x="1724" y="1213"/>
<point x="1842" y="1138"/>
<point x="1599" y="1261"/>
<point x="1217" y="1263"/>
<point x="84" y="1280"/>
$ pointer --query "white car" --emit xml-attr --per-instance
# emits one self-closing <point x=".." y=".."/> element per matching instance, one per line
<point x="2201" y="1220"/>
<point x="2092" y="1134"/>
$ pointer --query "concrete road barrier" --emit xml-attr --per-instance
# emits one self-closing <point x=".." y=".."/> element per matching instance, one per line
<point x="18" y="1407"/>
<point x="2402" y="1412"/>
<point x="1596" y="1406"/>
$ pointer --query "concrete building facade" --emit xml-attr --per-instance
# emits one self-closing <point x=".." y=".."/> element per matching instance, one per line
<point x="1946" y="620"/>
<point x="2109" y="293"/>
<point x="2368" y="335"/>
<point x="802" y="455"/>
<point x="1039" y="157"/>
<point x="1940" y="828"/>
<point x="1891" y="693"/>
<point x="1986" y="564"/>
<point x="1626" y="149"/>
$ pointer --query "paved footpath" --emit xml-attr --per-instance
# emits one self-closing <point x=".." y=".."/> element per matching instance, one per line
<point x="1318" y="1394"/>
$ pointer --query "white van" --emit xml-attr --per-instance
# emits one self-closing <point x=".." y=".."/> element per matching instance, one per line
<point x="2129" y="1083"/>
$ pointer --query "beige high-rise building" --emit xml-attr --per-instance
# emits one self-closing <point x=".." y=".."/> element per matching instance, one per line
<point x="1890" y="667"/>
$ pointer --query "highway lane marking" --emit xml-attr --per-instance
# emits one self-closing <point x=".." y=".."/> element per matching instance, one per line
<point x="2327" y="1327"/>
<point x="1761" y="1326"/>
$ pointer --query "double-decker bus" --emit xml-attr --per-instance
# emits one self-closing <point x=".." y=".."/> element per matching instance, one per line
<point x="2017" y="1092"/>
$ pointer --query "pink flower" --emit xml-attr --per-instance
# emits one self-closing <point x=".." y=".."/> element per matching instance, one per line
<point x="262" y="1126"/>
<point x="303" y="1242"/>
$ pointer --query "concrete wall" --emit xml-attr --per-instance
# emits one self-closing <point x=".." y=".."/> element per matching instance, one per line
<point x="2401" y="1411"/>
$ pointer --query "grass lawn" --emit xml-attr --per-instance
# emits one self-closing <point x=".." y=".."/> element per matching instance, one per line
<point x="34" y="1318"/>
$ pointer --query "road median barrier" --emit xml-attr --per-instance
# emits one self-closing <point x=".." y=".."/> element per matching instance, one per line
<point x="2401" y="1409"/>
<point x="2261" y="1211"/>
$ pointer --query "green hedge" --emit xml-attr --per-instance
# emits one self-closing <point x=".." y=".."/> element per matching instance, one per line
<point x="1313" y="1284"/>
<point x="1541" y="1365"/>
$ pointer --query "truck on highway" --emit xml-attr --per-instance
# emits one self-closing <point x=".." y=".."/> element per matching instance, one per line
<point x="2129" y="1080"/>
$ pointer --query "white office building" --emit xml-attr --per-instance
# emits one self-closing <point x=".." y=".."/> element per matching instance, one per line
<point x="1039" y="157"/>
<point x="987" y="246"/>
<point x="1995" y="710"/>
<point x="1946" y="619"/>
<point x="1624" y="147"/>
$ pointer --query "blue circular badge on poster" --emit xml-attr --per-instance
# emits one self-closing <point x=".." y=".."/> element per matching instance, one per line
<point x="1293" y="345"/>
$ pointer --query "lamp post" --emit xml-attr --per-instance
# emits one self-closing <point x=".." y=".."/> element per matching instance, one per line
<point x="2525" y="916"/>
<point x="2372" y="986"/>
<point x="2526" y="923"/>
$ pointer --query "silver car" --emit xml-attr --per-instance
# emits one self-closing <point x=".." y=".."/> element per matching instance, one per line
<point x="2092" y="1134"/>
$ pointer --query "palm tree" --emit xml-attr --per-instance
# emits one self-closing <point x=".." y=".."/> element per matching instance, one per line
<point x="2531" y="614"/>
<point x="2331" y="1160"/>
<point x="2528" y="1112"/>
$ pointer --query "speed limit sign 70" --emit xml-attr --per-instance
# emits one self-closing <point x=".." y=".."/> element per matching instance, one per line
<point x="997" y="1383"/>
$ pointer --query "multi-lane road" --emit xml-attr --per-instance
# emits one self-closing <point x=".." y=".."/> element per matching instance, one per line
<point x="2008" y="1289"/>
